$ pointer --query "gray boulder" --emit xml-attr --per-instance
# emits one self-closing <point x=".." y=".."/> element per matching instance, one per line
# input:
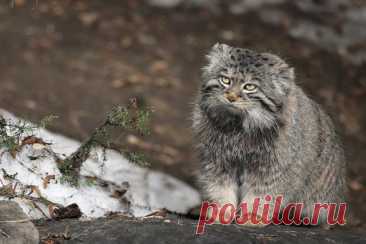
<point x="15" y="227"/>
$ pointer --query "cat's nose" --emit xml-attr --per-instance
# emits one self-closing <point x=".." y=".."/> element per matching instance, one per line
<point x="231" y="96"/>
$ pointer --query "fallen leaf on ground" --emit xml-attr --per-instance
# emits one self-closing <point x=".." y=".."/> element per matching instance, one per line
<point x="47" y="180"/>
<point x="30" y="140"/>
<point x="68" y="212"/>
<point x="161" y="213"/>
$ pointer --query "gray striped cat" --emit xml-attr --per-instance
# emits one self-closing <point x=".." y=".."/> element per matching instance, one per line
<point x="258" y="133"/>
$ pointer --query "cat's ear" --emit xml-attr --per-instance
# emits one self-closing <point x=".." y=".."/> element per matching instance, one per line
<point x="282" y="74"/>
<point x="217" y="55"/>
<point x="278" y="66"/>
<point x="220" y="47"/>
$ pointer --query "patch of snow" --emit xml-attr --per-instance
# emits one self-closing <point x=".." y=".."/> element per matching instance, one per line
<point x="147" y="190"/>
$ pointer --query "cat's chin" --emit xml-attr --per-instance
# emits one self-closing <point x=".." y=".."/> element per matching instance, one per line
<point x="225" y="117"/>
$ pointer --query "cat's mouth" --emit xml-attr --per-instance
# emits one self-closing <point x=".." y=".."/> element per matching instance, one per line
<point x="240" y="105"/>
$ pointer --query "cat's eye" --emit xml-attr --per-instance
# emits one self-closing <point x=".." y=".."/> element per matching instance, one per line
<point x="249" y="87"/>
<point x="224" y="80"/>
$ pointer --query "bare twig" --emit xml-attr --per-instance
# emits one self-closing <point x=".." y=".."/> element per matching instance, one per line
<point x="6" y="235"/>
<point x="130" y="117"/>
<point x="14" y="221"/>
<point x="39" y="209"/>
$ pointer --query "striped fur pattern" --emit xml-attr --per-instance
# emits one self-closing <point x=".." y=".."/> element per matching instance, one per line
<point x="274" y="140"/>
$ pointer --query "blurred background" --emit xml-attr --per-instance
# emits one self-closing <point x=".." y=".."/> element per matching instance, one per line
<point x="78" y="58"/>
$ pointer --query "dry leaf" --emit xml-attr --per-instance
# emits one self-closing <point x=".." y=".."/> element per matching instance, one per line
<point x="47" y="180"/>
<point x="70" y="211"/>
<point x="161" y="213"/>
<point x="49" y="241"/>
<point x="7" y="190"/>
<point x="14" y="152"/>
<point x="30" y="140"/>
<point x="35" y="189"/>
<point x="118" y="193"/>
<point x="53" y="238"/>
<point x="51" y="209"/>
<point x="37" y="146"/>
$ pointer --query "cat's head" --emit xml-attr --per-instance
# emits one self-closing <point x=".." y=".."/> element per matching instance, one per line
<point x="244" y="88"/>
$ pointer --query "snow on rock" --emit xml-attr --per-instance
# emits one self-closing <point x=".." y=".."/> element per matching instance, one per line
<point x="147" y="190"/>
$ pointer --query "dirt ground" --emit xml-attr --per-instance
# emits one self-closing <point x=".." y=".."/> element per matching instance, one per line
<point x="76" y="59"/>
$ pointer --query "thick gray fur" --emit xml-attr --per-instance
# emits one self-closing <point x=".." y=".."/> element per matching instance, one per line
<point x="275" y="141"/>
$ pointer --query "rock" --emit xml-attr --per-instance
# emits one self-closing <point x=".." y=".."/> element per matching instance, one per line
<point x="15" y="227"/>
<point x="180" y="230"/>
